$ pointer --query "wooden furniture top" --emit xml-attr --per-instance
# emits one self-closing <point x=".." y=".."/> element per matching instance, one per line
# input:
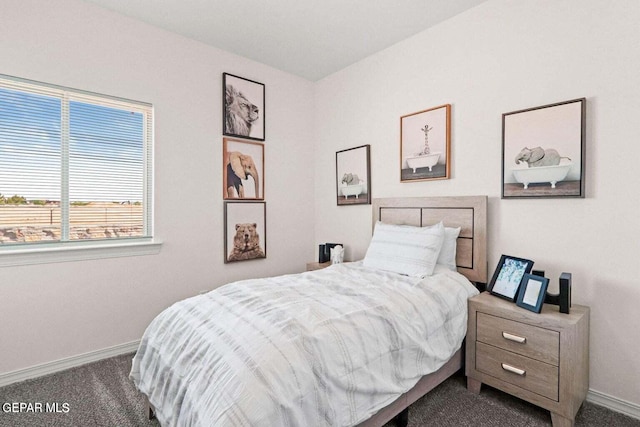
<point x="467" y="212"/>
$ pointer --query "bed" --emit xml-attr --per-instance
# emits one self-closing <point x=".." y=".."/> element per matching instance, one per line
<point x="343" y="345"/>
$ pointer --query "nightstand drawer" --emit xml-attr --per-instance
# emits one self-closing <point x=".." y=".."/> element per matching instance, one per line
<point x="537" y="377"/>
<point x="531" y="341"/>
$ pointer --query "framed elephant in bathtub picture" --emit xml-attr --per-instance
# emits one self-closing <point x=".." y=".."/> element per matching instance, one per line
<point x="353" y="176"/>
<point x="543" y="151"/>
<point x="425" y="144"/>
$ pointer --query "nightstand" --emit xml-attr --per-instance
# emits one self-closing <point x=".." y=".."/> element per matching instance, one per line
<point x="317" y="265"/>
<point x="541" y="358"/>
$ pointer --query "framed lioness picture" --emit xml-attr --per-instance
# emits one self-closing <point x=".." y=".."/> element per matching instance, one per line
<point x="245" y="231"/>
<point x="242" y="107"/>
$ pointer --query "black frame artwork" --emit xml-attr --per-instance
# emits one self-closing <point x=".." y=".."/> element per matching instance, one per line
<point x="242" y="222"/>
<point x="508" y="275"/>
<point x="243" y="107"/>
<point x="353" y="176"/>
<point x="543" y="151"/>
<point x="532" y="293"/>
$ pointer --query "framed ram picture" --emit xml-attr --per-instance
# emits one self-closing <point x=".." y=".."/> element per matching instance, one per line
<point x="425" y="144"/>
<point x="543" y="151"/>
<point x="242" y="169"/>
<point x="242" y="107"/>
<point x="245" y="231"/>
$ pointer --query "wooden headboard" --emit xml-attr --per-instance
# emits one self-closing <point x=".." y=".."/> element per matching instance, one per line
<point x="467" y="212"/>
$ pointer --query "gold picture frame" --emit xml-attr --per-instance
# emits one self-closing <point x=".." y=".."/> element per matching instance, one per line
<point x="425" y="144"/>
<point x="242" y="169"/>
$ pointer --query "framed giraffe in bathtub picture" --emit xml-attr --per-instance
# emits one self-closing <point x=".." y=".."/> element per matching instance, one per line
<point x="425" y="144"/>
<point x="543" y="151"/>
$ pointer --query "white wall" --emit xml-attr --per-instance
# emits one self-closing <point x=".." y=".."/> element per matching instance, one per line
<point x="53" y="311"/>
<point x="502" y="56"/>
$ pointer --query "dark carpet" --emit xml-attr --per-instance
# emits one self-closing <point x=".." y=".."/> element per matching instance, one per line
<point x="101" y="394"/>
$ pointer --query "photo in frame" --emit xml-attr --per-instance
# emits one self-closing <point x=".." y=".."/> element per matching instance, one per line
<point x="543" y="151"/>
<point x="245" y="231"/>
<point x="508" y="275"/>
<point x="242" y="169"/>
<point x="243" y="107"/>
<point x="532" y="293"/>
<point x="353" y="176"/>
<point x="425" y="144"/>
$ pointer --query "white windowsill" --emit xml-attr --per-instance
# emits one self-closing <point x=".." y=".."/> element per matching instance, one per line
<point x="77" y="252"/>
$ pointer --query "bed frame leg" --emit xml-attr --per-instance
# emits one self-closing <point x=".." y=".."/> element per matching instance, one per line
<point x="402" y="419"/>
<point x="150" y="412"/>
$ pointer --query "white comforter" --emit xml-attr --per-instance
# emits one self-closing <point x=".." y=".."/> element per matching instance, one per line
<point x="323" y="348"/>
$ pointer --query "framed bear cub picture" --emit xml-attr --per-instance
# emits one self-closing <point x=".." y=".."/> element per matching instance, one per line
<point x="245" y="231"/>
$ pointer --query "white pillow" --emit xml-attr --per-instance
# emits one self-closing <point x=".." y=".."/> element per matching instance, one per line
<point x="447" y="256"/>
<point x="405" y="249"/>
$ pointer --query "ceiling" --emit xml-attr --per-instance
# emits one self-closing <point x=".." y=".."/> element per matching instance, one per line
<point x="309" y="38"/>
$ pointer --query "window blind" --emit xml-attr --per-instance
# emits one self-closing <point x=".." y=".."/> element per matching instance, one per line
<point x="73" y="165"/>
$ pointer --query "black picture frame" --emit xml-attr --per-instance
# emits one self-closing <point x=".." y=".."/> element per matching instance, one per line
<point x="325" y="251"/>
<point x="245" y="218"/>
<point x="353" y="176"/>
<point x="243" y="107"/>
<point x="508" y="275"/>
<point x="543" y="151"/>
<point x="532" y="293"/>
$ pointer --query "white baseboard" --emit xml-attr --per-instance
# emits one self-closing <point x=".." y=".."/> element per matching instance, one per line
<point x="593" y="396"/>
<point x="66" y="363"/>
<point x="613" y="403"/>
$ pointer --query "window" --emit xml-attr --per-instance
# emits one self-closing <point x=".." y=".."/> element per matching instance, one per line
<point x="74" y="166"/>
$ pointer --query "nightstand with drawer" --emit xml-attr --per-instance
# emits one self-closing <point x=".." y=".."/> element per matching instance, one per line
<point x="541" y="358"/>
<point x="311" y="266"/>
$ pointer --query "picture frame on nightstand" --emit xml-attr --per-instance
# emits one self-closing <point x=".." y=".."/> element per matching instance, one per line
<point x="532" y="293"/>
<point x="506" y="280"/>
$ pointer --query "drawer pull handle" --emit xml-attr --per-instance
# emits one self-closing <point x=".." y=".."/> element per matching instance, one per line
<point x="513" y="369"/>
<point x="514" y="338"/>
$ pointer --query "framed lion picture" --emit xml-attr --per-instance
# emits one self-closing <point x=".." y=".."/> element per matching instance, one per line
<point x="242" y="107"/>
<point x="245" y="231"/>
